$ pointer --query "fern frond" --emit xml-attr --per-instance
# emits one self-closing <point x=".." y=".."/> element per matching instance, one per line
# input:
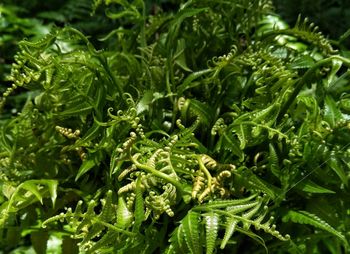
<point x="87" y="216"/>
<point x="103" y="243"/>
<point x="242" y="134"/>
<point x="191" y="232"/>
<point x="243" y="207"/>
<point x="139" y="212"/>
<point x="309" y="32"/>
<point x="247" y="212"/>
<point x="25" y="194"/>
<point x="230" y="143"/>
<point x="225" y="203"/>
<point x="229" y="230"/>
<point x="249" y="179"/>
<point x="124" y="215"/>
<point x="45" y="42"/>
<point x="305" y="31"/>
<point x="273" y="161"/>
<point x="304" y="217"/>
<point x="177" y="241"/>
<point x="212" y="221"/>
<point x="107" y="210"/>
<point x="92" y="228"/>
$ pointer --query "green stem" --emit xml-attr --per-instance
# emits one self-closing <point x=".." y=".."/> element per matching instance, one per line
<point x="110" y="226"/>
<point x="157" y="173"/>
<point x="205" y="170"/>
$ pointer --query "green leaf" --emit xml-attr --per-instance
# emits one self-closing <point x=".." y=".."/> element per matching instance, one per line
<point x="139" y="206"/>
<point x="108" y="212"/>
<point x="224" y="203"/>
<point x="5" y="139"/>
<point x="273" y="161"/>
<point x="100" y="99"/>
<point x="202" y="110"/>
<point x="52" y="185"/>
<point x="241" y="134"/>
<point x="302" y="62"/>
<point x="86" y="222"/>
<point x="332" y="114"/>
<point x="332" y="76"/>
<point x="107" y="239"/>
<point x="124" y="215"/>
<point x="304" y="217"/>
<point x="191" y="231"/>
<point x="92" y="133"/>
<point x="336" y="165"/>
<point x="179" y="57"/>
<point x="177" y="241"/>
<point x="26" y="194"/>
<point x="233" y="145"/>
<point x="345" y="105"/>
<point x="85" y="167"/>
<point x="143" y="104"/>
<point x="33" y="188"/>
<point x="254" y="182"/>
<point x="229" y="230"/>
<point x="310" y="186"/>
<point x="211" y="229"/>
<point x="188" y="82"/>
<point x="242" y="207"/>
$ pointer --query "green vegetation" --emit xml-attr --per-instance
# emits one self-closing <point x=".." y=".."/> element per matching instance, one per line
<point x="208" y="126"/>
<point x="333" y="17"/>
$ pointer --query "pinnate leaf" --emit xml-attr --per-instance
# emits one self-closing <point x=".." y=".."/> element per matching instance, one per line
<point x="211" y="227"/>
<point x="304" y="217"/>
<point x="191" y="231"/>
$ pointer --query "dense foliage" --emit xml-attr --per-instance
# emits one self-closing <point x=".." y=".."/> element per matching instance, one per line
<point x="207" y="127"/>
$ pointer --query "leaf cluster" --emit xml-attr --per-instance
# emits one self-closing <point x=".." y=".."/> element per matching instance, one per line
<point x="193" y="131"/>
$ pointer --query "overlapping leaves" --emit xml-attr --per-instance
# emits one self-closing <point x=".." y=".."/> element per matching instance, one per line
<point x="191" y="129"/>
